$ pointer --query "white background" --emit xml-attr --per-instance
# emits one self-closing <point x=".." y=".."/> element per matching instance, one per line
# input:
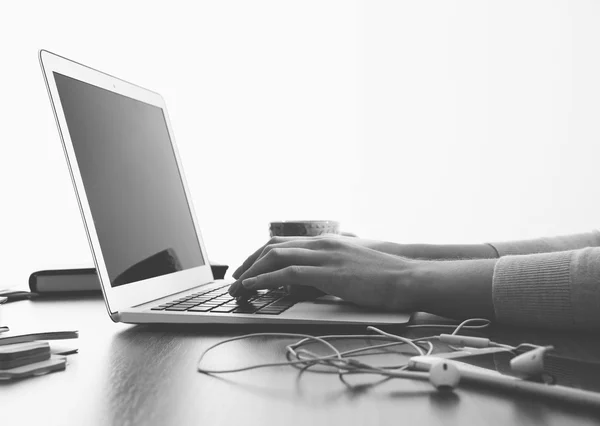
<point x="413" y="121"/>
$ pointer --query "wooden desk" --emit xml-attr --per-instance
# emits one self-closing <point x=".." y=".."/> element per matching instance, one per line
<point x="147" y="375"/>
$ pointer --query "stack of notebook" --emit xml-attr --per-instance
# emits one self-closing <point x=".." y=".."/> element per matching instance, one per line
<point x="26" y="355"/>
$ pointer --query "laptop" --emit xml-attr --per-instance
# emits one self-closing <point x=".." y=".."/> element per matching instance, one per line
<point x="137" y="211"/>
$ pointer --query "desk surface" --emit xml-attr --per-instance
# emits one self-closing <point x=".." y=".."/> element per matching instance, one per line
<point x="146" y="375"/>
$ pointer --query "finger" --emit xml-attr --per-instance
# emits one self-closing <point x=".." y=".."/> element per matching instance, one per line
<point x="292" y="275"/>
<point x="321" y="242"/>
<point x="310" y="243"/>
<point x="237" y="290"/>
<point x="276" y="258"/>
<point x="252" y="258"/>
<point x="279" y="258"/>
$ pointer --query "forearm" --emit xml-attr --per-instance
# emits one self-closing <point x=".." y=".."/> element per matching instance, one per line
<point x="489" y="251"/>
<point x="458" y="289"/>
<point x="439" y="252"/>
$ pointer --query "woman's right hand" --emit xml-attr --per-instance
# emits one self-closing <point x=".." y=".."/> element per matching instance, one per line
<point x="306" y="292"/>
<point x="384" y="247"/>
<point x="335" y="266"/>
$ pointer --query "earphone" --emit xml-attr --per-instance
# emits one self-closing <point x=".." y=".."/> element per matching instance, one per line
<point x="443" y="375"/>
<point x="530" y="363"/>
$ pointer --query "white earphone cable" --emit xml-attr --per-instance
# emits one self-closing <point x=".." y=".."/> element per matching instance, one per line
<point x="305" y="359"/>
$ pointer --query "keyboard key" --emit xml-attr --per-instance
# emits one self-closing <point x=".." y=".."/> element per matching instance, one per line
<point x="158" y="308"/>
<point x="223" y="309"/>
<point x="263" y="302"/>
<point x="254" y="305"/>
<point x="244" y="310"/>
<point x="281" y="305"/>
<point x="200" y="309"/>
<point x="178" y="308"/>
<point x="270" y="298"/>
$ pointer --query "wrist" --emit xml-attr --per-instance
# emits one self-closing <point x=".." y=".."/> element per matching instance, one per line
<point x="396" y="249"/>
<point x="406" y="293"/>
<point x="423" y="277"/>
<point x="458" y="289"/>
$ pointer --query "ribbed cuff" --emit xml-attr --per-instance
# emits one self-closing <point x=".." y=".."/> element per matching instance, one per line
<point x="534" y="290"/>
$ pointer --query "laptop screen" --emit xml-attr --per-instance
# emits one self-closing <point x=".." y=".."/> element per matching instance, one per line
<point x="132" y="181"/>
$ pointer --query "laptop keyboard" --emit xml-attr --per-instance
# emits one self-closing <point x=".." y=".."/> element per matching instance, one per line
<point x="272" y="302"/>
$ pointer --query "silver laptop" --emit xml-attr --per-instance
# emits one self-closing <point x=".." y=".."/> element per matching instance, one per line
<point x="138" y="214"/>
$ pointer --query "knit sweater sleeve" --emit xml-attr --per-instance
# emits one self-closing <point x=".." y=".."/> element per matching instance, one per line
<point x="549" y="282"/>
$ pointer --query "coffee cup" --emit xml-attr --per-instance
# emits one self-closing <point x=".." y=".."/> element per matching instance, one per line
<point x="303" y="228"/>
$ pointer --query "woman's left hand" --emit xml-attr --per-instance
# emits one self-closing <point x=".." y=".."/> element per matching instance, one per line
<point x="338" y="267"/>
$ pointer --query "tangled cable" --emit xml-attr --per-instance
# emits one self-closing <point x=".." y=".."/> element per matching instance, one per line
<point x="442" y="372"/>
<point x="340" y="362"/>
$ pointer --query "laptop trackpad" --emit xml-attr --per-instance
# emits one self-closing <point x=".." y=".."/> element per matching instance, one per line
<point x="331" y="300"/>
<point x="334" y="309"/>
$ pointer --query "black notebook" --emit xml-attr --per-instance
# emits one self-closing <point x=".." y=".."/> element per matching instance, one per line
<point x="82" y="280"/>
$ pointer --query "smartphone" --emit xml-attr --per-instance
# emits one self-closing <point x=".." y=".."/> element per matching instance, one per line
<point x="493" y="365"/>
<point x="558" y="370"/>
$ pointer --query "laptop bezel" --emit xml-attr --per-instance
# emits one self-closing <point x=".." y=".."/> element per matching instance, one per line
<point x="136" y="293"/>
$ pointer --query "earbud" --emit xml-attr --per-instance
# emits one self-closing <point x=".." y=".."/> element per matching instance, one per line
<point x="444" y="375"/>
<point x="530" y="363"/>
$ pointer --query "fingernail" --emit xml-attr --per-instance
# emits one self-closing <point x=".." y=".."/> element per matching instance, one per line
<point x="249" y="282"/>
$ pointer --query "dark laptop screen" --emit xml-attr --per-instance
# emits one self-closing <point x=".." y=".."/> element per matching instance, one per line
<point x="132" y="181"/>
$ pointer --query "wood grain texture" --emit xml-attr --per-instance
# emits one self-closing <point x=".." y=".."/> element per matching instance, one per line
<point x="146" y="375"/>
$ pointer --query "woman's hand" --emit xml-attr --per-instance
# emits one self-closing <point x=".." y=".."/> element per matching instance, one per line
<point x="340" y="266"/>
<point x="372" y="244"/>
<point x="413" y="251"/>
